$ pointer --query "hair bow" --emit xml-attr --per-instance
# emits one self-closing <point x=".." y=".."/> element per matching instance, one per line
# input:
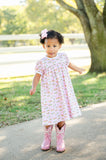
<point x="44" y="33"/>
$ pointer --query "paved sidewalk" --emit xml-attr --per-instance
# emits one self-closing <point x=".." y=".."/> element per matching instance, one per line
<point x="85" y="138"/>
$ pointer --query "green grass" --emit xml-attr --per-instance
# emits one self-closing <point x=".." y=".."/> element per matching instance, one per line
<point x="16" y="105"/>
<point x="90" y="88"/>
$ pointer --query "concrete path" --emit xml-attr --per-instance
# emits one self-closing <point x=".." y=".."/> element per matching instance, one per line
<point x="85" y="138"/>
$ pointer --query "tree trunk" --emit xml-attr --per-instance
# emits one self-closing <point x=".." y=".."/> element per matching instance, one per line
<point x="98" y="54"/>
<point x="94" y="26"/>
<point x="96" y="40"/>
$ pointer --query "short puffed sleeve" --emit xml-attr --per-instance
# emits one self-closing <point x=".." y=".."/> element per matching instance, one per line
<point x="66" y="59"/>
<point x="39" y="67"/>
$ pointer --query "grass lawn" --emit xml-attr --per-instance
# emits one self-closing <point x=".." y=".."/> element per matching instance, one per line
<point x="16" y="105"/>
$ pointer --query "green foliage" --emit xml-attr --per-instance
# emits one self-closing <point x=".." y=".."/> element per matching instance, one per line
<point x="48" y="14"/>
<point x="40" y="14"/>
<point x="13" y="22"/>
<point x="37" y="15"/>
<point x="100" y="4"/>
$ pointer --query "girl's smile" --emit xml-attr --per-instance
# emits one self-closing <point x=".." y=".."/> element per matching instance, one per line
<point x="51" y="46"/>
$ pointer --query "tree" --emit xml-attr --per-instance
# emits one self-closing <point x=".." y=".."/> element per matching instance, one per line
<point x="93" y="21"/>
<point x="12" y="21"/>
<point x="51" y="17"/>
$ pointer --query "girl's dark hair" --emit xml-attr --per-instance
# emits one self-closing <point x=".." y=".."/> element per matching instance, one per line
<point x="51" y="34"/>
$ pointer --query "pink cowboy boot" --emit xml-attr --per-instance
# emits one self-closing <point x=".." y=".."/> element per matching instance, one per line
<point x="60" y="138"/>
<point x="47" y="138"/>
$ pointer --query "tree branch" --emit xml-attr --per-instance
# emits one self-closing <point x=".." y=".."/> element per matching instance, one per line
<point x="90" y="7"/>
<point x="82" y="10"/>
<point x="85" y="25"/>
<point x="81" y="7"/>
<point x="67" y="7"/>
<point x="84" y="19"/>
<point x="92" y="12"/>
<point x="104" y="15"/>
<point x="80" y="4"/>
<point x="81" y="14"/>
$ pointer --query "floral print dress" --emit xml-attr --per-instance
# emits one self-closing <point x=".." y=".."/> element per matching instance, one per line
<point x="58" y="99"/>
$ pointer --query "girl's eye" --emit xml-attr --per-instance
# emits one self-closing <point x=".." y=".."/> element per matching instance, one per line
<point x="54" y="45"/>
<point x="48" y="46"/>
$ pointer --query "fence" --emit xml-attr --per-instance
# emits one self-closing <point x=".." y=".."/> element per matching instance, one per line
<point x="37" y="48"/>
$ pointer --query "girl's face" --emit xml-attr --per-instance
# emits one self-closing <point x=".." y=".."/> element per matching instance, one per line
<point x="51" y="46"/>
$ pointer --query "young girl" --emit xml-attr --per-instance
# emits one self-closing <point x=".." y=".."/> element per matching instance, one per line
<point x="58" y="100"/>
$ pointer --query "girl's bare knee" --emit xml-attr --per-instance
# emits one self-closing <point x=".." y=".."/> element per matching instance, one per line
<point x="61" y="124"/>
<point x="47" y="126"/>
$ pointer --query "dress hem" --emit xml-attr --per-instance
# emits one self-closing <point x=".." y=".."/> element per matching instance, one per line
<point x="79" y="115"/>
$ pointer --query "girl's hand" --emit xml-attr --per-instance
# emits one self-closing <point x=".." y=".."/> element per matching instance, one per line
<point x="81" y="70"/>
<point x="32" y="91"/>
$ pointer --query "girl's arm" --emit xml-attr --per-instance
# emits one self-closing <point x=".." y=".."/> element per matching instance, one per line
<point x="75" y="68"/>
<point x="35" y="82"/>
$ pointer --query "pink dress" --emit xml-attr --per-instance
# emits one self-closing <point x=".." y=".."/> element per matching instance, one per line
<point x="58" y="99"/>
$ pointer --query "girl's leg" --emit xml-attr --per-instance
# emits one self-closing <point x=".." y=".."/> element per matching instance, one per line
<point x="47" y="126"/>
<point x="47" y="138"/>
<point x="60" y="131"/>
<point x="60" y="124"/>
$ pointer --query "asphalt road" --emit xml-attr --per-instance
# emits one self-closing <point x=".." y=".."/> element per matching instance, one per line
<point x="21" y="64"/>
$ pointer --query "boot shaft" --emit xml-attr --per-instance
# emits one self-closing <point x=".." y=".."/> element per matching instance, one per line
<point x="60" y="132"/>
<point x="60" y="138"/>
<point x="48" y="132"/>
<point x="47" y="138"/>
